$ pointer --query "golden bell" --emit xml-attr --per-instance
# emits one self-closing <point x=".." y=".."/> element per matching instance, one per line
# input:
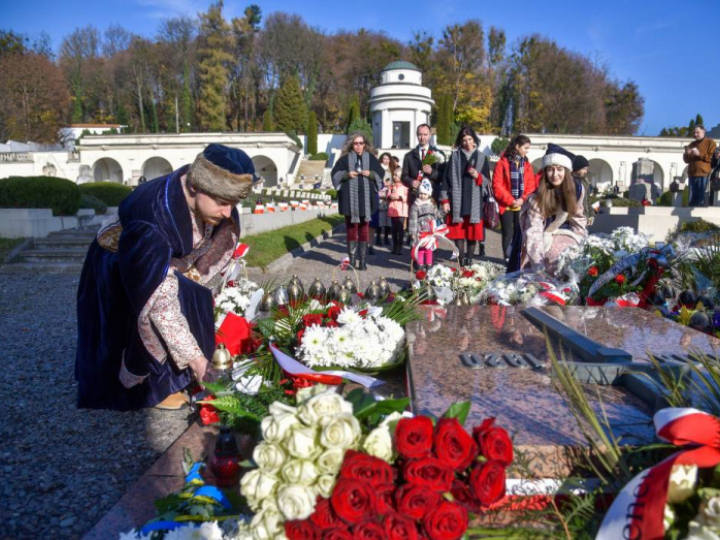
<point x="335" y="289"/>
<point x="317" y="290"/>
<point x="350" y="285"/>
<point x="222" y="359"/>
<point x="345" y="296"/>
<point x="295" y="291"/>
<point x="384" y="288"/>
<point x="372" y="293"/>
<point x="268" y="302"/>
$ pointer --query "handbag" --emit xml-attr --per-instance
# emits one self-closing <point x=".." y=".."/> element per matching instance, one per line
<point x="491" y="212"/>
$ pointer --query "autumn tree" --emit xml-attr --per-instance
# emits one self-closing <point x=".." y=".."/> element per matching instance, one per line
<point x="176" y="37"/>
<point x="290" y="111"/>
<point x="245" y="74"/>
<point x="214" y="58"/>
<point x="78" y="56"/>
<point x="33" y="98"/>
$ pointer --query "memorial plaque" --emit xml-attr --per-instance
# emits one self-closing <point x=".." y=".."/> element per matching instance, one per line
<point x="496" y="358"/>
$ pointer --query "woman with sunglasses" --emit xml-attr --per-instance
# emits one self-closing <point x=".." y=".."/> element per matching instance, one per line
<point x="358" y="176"/>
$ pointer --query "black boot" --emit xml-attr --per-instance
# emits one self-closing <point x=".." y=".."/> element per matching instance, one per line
<point x="482" y="249"/>
<point x="469" y="253"/>
<point x="352" y="247"/>
<point x="460" y="244"/>
<point x="371" y="251"/>
<point x="387" y="233"/>
<point x="362" y="255"/>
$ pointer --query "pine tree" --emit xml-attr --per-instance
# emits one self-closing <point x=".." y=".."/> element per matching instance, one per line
<point x="268" y="121"/>
<point x="353" y="113"/>
<point x="699" y="120"/>
<point x="312" y="134"/>
<point x="214" y="57"/>
<point x="289" y="110"/>
<point x="363" y="127"/>
<point x="690" y="128"/>
<point x="77" y="115"/>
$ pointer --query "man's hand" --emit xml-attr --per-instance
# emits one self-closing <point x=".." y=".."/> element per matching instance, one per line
<point x="415" y="183"/>
<point x="427" y="169"/>
<point x="446" y="207"/>
<point x="694" y="152"/>
<point x="199" y="366"/>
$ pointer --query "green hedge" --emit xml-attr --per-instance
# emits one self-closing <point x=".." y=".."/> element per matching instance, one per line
<point x="699" y="226"/>
<point x="666" y="198"/>
<point x="616" y="201"/>
<point x="61" y="196"/>
<point x="320" y="156"/>
<point x="88" y="201"/>
<point x="332" y="193"/>
<point x="110" y="193"/>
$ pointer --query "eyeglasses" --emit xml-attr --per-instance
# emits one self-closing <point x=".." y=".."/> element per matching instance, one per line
<point x="360" y="143"/>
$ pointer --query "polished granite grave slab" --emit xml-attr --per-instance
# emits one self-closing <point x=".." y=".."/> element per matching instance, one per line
<point x="524" y="400"/>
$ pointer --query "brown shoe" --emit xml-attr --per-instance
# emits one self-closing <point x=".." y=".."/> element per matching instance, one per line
<point x="173" y="402"/>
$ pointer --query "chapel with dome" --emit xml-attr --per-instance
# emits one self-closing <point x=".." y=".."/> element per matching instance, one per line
<point x="399" y="105"/>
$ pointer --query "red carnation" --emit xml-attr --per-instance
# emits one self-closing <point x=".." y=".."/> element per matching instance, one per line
<point x="620" y="278"/>
<point x="467" y="273"/>
<point x="300" y="335"/>
<point x="353" y="500"/>
<point x="420" y="275"/>
<point x="448" y="521"/>
<point x="311" y="319"/>
<point x="413" y="437"/>
<point x="337" y="534"/>
<point x="487" y="482"/>
<point x="301" y="530"/>
<point x="416" y="501"/>
<point x="593" y="271"/>
<point x="385" y="499"/>
<point x="359" y="466"/>
<point x="324" y="516"/>
<point x="429" y="472"/>
<point x="494" y="442"/>
<point x="331" y="324"/>
<point x="369" y="530"/>
<point x="453" y="445"/>
<point x="399" y="527"/>
<point x="333" y="312"/>
<point x="208" y="413"/>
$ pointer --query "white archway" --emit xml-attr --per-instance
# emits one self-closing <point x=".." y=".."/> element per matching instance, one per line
<point x="659" y="176"/>
<point x="600" y="174"/>
<point x="107" y="170"/>
<point x="266" y="168"/>
<point x="156" y="167"/>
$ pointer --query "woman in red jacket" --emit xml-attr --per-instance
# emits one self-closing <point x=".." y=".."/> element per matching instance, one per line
<point x="513" y="180"/>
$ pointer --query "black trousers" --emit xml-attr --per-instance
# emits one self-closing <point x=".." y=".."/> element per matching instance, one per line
<point x="508" y="222"/>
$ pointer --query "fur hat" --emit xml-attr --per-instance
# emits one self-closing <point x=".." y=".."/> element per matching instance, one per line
<point x="425" y="187"/>
<point x="580" y="162"/>
<point x="557" y="155"/>
<point x="223" y="172"/>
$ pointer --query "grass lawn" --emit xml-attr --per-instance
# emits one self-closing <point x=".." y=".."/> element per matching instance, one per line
<point x="266" y="247"/>
<point x="6" y="245"/>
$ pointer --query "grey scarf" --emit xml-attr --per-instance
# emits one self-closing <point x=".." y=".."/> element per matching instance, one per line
<point x="456" y="176"/>
<point x="353" y="185"/>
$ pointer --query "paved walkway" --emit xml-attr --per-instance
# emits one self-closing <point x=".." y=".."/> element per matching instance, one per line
<point x="322" y="260"/>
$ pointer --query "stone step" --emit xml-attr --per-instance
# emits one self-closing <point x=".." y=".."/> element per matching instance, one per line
<point x="42" y="268"/>
<point x="52" y="256"/>
<point x="63" y="242"/>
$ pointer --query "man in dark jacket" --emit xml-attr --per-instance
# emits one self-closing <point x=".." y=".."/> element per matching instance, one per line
<point x="580" y="171"/>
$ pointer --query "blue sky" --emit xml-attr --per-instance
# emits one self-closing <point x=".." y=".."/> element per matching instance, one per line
<point x="668" y="48"/>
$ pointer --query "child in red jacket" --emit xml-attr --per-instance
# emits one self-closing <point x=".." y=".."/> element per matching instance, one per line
<point x="513" y="181"/>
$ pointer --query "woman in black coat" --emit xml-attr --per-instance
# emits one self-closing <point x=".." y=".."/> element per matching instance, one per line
<point x="358" y="176"/>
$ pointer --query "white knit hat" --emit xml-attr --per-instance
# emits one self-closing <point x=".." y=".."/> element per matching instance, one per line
<point x="425" y="187"/>
<point x="557" y="155"/>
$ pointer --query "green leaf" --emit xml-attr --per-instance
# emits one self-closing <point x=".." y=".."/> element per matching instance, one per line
<point x="459" y="410"/>
<point x="215" y="387"/>
<point x="389" y="406"/>
<point x="247" y="464"/>
<point x="363" y="405"/>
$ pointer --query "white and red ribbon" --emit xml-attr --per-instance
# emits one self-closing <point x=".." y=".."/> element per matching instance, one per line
<point x="293" y="367"/>
<point x="638" y="510"/>
<point x="431" y="239"/>
<point x="344" y="263"/>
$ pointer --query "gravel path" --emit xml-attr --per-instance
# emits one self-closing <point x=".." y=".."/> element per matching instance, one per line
<point x="63" y="468"/>
<point x="321" y="261"/>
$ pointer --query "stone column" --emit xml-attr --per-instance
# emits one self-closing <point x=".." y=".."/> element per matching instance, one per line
<point x="385" y="129"/>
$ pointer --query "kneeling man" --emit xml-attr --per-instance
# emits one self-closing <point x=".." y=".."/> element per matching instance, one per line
<point x="145" y="299"/>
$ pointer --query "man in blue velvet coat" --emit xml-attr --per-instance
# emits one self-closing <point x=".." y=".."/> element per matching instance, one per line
<point x="145" y="299"/>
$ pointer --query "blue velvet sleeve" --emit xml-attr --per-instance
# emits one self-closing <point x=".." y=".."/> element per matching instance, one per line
<point x="144" y="258"/>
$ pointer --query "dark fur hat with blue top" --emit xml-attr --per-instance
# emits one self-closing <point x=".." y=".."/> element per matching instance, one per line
<point x="223" y="172"/>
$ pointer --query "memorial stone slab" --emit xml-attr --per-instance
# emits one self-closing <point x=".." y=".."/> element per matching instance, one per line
<point x="640" y="191"/>
<point x="498" y="359"/>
